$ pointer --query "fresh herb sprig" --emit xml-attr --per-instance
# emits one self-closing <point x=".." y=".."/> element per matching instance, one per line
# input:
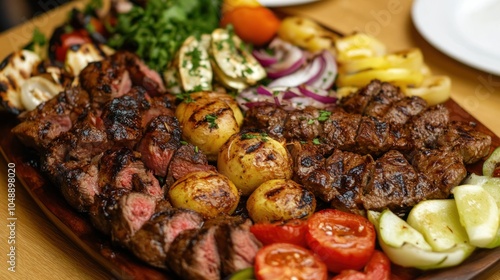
<point x="155" y="32"/>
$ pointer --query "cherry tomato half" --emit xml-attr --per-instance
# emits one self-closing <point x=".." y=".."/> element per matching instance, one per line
<point x="293" y="232"/>
<point x="75" y="37"/>
<point x="287" y="261"/>
<point x="377" y="268"/>
<point x="256" y="25"/>
<point x="342" y="240"/>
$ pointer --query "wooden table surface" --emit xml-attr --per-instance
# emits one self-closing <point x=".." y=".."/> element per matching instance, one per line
<point x="44" y="252"/>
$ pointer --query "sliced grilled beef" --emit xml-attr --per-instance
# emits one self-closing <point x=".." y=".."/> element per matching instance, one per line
<point x="194" y="254"/>
<point x="152" y="242"/>
<point x="236" y="244"/>
<point x="356" y="103"/>
<point x="50" y="119"/>
<point x="159" y="143"/>
<point x="124" y="169"/>
<point x="373" y="136"/>
<point x="428" y="126"/>
<point x="105" y="80"/>
<point x="104" y="205"/>
<point x="471" y="144"/>
<point x="271" y="118"/>
<point x="350" y="172"/>
<point x="395" y="184"/>
<point x="122" y="118"/>
<point x="443" y="167"/>
<point x="129" y="215"/>
<point x="401" y="111"/>
<point x="157" y="106"/>
<point x="383" y="100"/>
<point x="303" y="124"/>
<point x="341" y="129"/>
<point x="140" y="74"/>
<point x="187" y="159"/>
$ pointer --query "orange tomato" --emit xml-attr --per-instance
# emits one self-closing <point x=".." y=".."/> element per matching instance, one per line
<point x="256" y="25"/>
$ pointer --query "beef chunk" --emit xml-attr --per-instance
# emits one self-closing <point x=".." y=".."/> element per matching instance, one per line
<point x="159" y="143"/>
<point x="269" y="117"/>
<point x="357" y="102"/>
<point x="50" y="119"/>
<point x="152" y="242"/>
<point x="132" y="211"/>
<point x="104" y="205"/>
<point x="124" y="169"/>
<point x="187" y="159"/>
<point x="237" y="246"/>
<point x="471" y="144"/>
<point x="306" y="159"/>
<point x="401" y="111"/>
<point x="383" y="100"/>
<point x="395" y="184"/>
<point x="194" y="254"/>
<point x="350" y="173"/>
<point x="443" y="167"/>
<point x="426" y="127"/>
<point x="122" y="118"/>
<point x="303" y="124"/>
<point x="374" y="136"/>
<point x="79" y="186"/>
<point x="341" y="129"/>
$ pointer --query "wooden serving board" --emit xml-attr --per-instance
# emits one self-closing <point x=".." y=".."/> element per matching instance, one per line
<point x="124" y="265"/>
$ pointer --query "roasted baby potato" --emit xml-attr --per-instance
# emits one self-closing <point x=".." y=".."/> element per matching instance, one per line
<point x="280" y="200"/>
<point x="208" y="119"/>
<point x="206" y="192"/>
<point x="250" y="159"/>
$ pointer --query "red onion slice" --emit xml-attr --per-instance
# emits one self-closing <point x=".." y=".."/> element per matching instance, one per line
<point x="320" y="95"/>
<point x="264" y="58"/>
<point x="290" y="59"/>
<point x="300" y="76"/>
<point x="327" y="76"/>
<point x="262" y="90"/>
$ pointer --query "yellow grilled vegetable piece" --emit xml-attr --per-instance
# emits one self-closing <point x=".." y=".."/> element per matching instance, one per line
<point x="397" y="76"/>
<point x="206" y="192"/>
<point x="434" y="89"/>
<point x="306" y="33"/>
<point x="280" y="200"/>
<point x="251" y="159"/>
<point x="229" y="5"/>
<point x="357" y="46"/>
<point x="410" y="59"/>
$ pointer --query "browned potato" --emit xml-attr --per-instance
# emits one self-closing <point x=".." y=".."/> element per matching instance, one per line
<point x="208" y="120"/>
<point x="250" y="159"/>
<point x="206" y="192"/>
<point x="280" y="200"/>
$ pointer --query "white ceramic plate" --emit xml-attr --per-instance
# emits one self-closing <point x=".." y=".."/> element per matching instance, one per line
<point x="281" y="3"/>
<point x="467" y="30"/>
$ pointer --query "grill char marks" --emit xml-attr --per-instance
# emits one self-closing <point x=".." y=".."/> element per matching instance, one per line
<point x="50" y="119"/>
<point x="152" y="242"/>
<point x="160" y="141"/>
<point x="353" y="182"/>
<point x="186" y="159"/>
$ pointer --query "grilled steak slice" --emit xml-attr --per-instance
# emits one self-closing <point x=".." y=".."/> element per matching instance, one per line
<point x="157" y="106"/>
<point x="271" y="118"/>
<point x="122" y="118"/>
<point x="105" y="80"/>
<point x="50" y="119"/>
<point x="236" y="244"/>
<point x="303" y="124"/>
<point x="428" y="125"/>
<point x="140" y="74"/>
<point x="306" y="159"/>
<point x="103" y="206"/>
<point x="401" y="111"/>
<point x="471" y="144"/>
<point x="383" y="100"/>
<point x="159" y="143"/>
<point x="341" y="129"/>
<point x="443" y="167"/>
<point x="373" y="137"/>
<point x="80" y="185"/>
<point x="194" y="254"/>
<point x="124" y="169"/>
<point x="132" y="211"/>
<point x="395" y="184"/>
<point x="187" y="159"/>
<point x="350" y="172"/>
<point x="152" y="242"/>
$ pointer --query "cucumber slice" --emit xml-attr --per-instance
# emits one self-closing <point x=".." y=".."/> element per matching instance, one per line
<point x="491" y="162"/>
<point x="395" y="232"/>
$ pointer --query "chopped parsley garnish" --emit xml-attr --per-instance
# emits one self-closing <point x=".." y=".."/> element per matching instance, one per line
<point x="183" y="142"/>
<point x="155" y="32"/>
<point x="310" y="121"/>
<point x="324" y="115"/>
<point x="316" y="141"/>
<point x="185" y="97"/>
<point x="196" y="149"/>
<point x="210" y="118"/>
